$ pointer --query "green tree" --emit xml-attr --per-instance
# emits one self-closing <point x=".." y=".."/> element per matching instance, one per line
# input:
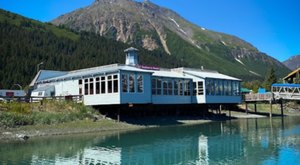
<point x="270" y="79"/>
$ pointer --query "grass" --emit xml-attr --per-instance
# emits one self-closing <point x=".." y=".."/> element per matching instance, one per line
<point x="16" y="114"/>
<point x="289" y="108"/>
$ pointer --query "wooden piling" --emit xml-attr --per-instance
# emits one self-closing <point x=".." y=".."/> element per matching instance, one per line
<point x="271" y="109"/>
<point x="281" y="107"/>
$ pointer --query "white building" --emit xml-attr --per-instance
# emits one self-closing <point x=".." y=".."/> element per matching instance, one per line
<point x="137" y="84"/>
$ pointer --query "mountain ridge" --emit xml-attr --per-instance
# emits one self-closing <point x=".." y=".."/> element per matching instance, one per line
<point x="293" y="62"/>
<point x="154" y="27"/>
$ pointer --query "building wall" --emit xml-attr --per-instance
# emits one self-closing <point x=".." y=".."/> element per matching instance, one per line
<point x="102" y="99"/>
<point x="136" y="96"/>
<point x="199" y="99"/>
<point x="161" y="99"/>
<point x="65" y="88"/>
<point x="223" y="99"/>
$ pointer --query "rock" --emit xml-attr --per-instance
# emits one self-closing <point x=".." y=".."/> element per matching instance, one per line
<point x="22" y="136"/>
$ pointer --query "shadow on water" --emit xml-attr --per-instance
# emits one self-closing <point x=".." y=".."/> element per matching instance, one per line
<point x="247" y="141"/>
<point x="173" y="119"/>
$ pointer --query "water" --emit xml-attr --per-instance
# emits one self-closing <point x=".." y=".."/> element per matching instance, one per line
<point x="247" y="141"/>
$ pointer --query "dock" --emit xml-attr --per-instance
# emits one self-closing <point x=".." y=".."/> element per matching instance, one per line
<point x="278" y="94"/>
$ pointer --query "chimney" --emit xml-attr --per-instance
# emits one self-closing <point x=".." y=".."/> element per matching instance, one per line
<point x="131" y="56"/>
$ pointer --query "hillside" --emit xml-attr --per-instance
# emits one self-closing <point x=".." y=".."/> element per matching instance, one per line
<point x="24" y="43"/>
<point x="157" y="28"/>
<point x="293" y="62"/>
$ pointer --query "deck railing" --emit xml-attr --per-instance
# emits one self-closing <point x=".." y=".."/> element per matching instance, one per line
<point x="258" y="97"/>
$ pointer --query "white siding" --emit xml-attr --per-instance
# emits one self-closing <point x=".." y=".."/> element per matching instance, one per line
<point x="102" y="99"/>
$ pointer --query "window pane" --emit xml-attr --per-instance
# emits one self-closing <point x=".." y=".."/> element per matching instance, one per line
<point x="140" y="83"/>
<point x="125" y="82"/>
<point x="165" y="87"/>
<point x="116" y="88"/>
<point x="154" y="86"/>
<point x="158" y="90"/>
<point x="170" y="87"/>
<point x="176" y="86"/>
<point x="86" y="86"/>
<point x="131" y="83"/>
<point x="97" y="87"/>
<point x="103" y="85"/>
<point x="109" y="86"/>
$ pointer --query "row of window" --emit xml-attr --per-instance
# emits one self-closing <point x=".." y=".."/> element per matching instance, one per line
<point x="164" y="86"/>
<point x="132" y="83"/>
<point x="222" y="87"/>
<point x="99" y="85"/>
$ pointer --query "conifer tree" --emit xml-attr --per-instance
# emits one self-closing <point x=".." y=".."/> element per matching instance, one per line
<point x="270" y="79"/>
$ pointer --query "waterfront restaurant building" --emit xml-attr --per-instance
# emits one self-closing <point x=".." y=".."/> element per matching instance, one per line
<point x="120" y="84"/>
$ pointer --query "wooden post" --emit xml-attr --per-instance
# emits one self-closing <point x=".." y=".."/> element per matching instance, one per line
<point x="281" y="107"/>
<point x="271" y="108"/>
<point x="118" y="114"/>
<point x="246" y="107"/>
<point x="220" y="109"/>
<point x="255" y="108"/>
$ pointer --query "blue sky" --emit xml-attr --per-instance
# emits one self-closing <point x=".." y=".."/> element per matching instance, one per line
<point x="272" y="26"/>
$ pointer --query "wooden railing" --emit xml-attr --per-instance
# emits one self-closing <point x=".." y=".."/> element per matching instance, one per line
<point x="258" y="97"/>
<point x="74" y="98"/>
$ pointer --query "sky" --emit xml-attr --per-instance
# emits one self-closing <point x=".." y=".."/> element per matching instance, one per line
<point x="272" y="26"/>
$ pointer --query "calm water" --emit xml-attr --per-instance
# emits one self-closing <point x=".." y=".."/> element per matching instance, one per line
<point x="247" y="141"/>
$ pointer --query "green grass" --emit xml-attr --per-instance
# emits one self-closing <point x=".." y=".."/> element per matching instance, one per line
<point x="16" y="114"/>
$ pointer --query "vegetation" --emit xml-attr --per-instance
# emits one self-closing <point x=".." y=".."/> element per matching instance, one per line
<point x="24" y="43"/>
<point x="270" y="79"/>
<point x="14" y="114"/>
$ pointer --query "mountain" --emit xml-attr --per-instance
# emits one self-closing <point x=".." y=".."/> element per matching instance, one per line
<point x="24" y="43"/>
<point x="293" y="63"/>
<point x="157" y="28"/>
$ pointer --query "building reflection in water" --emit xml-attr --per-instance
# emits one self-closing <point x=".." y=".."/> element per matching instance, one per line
<point x="237" y="142"/>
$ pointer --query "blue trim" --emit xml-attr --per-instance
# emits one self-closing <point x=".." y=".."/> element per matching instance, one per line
<point x="286" y="85"/>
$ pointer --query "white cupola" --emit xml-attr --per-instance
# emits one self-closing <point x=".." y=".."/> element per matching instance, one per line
<point x="131" y="56"/>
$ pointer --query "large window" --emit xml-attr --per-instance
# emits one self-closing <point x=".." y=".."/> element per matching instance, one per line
<point x="154" y="86"/>
<point x="80" y="86"/>
<point x="176" y="87"/>
<point x="86" y="86"/>
<point x="236" y="88"/>
<point x="103" y="84"/>
<point x="97" y="85"/>
<point x="158" y="89"/>
<point x="165" y="87"/>
<point x="170" y="87"/>
<point x="131" y="83"/>
<point x="109" y="84"/>
<point x="91" y="86"/>
<point x="222" y="87"/>
<point x="115" y="83"/>
<point x="124" y="82"/>
<point x="140" y="86"/>
<point x="187" y="88"/>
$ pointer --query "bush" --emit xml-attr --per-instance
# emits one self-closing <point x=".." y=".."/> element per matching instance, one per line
<point x="54" y="112"/>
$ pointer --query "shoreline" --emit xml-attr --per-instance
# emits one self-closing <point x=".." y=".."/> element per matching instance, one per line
<point x="87" y="126"/>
